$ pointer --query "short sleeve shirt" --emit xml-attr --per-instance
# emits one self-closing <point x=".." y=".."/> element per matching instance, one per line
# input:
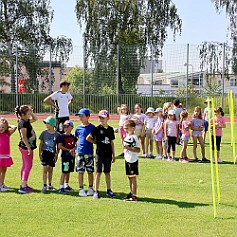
<point x="172" y="128"/>
<point x="130" y="156"/>
<point x="49" y="141"/>
<point x="197" y="123"/>
<point x="150" y="122"/>
<point x="30" y="134"/>
<point x="139" y="118"/>
<point x="83" y="146"/>
<point x="61" y="100"/>
<point x="104" y="137"/>
<point x="68" y="141"/>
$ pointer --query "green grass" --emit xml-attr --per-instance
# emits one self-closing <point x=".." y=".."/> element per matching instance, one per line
<point x="171" y="200"/>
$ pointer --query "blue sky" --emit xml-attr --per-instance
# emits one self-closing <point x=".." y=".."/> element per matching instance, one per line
<point x="200" y="22"/>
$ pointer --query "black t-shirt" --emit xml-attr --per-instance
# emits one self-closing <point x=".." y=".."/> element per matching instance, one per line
<point x="103" y="137"/>
<point x="68" y="141"/>
<point x="30" y="134"/>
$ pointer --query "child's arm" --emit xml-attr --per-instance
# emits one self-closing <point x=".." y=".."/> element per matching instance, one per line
<point x="160" y="128"/>
<point x="177" y="127"/>
<point x="90" y="139"/>
<point x="113" y="152"/>
<point x="132" y="149"/>
<point x="11" y="129"/>
<point x="165" y="131"/>
<point x="40" y="150"/>
<point x="33" y="117"/>
<point x="192" y="128"/>
<point x="25" y="140"/>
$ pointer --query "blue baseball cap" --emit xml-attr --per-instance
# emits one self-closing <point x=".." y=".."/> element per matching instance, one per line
<point x="83" y="111"/>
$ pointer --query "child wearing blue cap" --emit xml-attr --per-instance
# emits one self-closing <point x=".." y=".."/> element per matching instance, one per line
<point x="48" y="152"/>
<point x="85" y="159"/>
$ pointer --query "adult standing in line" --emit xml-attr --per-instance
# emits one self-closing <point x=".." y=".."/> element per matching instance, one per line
<point x="60" y="101"/>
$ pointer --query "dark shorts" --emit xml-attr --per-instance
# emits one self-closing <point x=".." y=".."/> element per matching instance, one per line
<point x="59" y="124"/>
<point x="85" y="162"/>
<point x="48" y="159"/>
<point x="68" y="163"/>
<point x="131" y="168"/>
<point x="100" y="161"/>
<point x="205" y="125"/>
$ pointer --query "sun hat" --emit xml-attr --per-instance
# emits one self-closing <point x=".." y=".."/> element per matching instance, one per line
<point x="103" y="113"/>
<point x="50" y="120"/>
<point x="83" y="111"/>
<point x="171" y="112"/>
<point x="158" y="110"/>
<point x="150" y="110"/>
<point x="69" y="123"/>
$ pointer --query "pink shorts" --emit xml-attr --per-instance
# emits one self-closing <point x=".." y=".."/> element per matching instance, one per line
<point x="6" y="161"/>
<point x="122" y="132"/>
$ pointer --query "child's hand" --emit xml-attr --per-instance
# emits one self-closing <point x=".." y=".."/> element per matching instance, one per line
<point x="55" y="158"/>
<point x="41" y="158"/>
<point x="113" y="159"/>
<point x="72" y="153"/>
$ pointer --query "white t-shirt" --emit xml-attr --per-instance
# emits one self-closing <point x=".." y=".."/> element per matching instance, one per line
<point x="123" y="119"/>
<point x="139" y="118"/>
<point x="130" y="156"/>
<point x="150" y="122"/>
<point x="61" y="100"/>
<point x="206" y="110"/>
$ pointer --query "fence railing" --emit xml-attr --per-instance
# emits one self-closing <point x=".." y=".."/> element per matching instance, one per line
<point x="109" y="102"/>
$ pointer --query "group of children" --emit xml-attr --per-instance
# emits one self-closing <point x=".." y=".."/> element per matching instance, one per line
<point x="76" y="152"/>
<point x="171" y="125"/>
<point x="166" y="126"/>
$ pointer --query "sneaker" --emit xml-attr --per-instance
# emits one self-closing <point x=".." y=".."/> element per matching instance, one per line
<point x="195" y="160"/>
<point x="51" y="188"/>
<point x="144" y="155"/>
<point x="110" y="194"/>
<point x="82" y="192"/>
<point x="44" y="189"/>
<point x="29" y="189"/>
<point x="185" y="160"/>
<point x="3" y="189"/>
<point x="23" y="190"/>
<point x="151" y="156"/>
<point x="205" y="160"/>
<point x="96" y="195"/>
<point x="62" y="191"/>
<point x="5" y="186"/>
<point x="68" y="188"/>
<point x="181" y="160"/>
<point x="158" y="157"/>
<point x="128" y="196"/>
<point x="220" y="161"/>
<point x="90" y="192"/>
<point x="131" y="199"/>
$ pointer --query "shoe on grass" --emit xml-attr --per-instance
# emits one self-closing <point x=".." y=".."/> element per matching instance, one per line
<point x="96" y="195"/>
<point x="90" y="192"/>
<point x="44" y="189"/>
<point x="68" y="188"/>
<point x="62" y="191"/>
<point x="110" y="194"/>
<point x="82" y="192"/>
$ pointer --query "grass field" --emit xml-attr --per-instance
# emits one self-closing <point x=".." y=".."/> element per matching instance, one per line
<point x="172" y="202"/>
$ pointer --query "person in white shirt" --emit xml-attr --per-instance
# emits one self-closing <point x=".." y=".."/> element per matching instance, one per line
<point x="60" y="101"/>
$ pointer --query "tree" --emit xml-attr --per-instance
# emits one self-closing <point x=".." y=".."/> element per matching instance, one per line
<point x="140" y="23"/>
<point x="23" y="23"/>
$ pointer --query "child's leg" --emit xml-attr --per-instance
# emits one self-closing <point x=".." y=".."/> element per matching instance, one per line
<point x="194" y="147"/>
<point x="27" y="161"/>
<point x="173" y="146"/>
<point x="160" y="148"/>
<point x="97" y="180"/>
<point x="3" y="171"/>
<point x="157" y="147"/>
<point x="108" y="180"/>
<point x="45" y="172"/>
<point x="62" y="179"/>
<point x="142" y="138"/>
<point x="50" y="174"/>
<point x="133" y="185"/>
<point x="169" y="146"/>
<point x="201" y="141"/>
<point x="90" y="179"/>
<point x="147" y="145"/>
<point x="81" y="179"/>
<point x="184" y="150"/>
<point x="151" y="146"/>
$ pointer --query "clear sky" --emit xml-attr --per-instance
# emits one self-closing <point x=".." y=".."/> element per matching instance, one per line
<point x="201" y="22"/>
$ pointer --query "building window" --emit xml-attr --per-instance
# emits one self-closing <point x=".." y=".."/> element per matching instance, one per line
<point x="233" y="82"/>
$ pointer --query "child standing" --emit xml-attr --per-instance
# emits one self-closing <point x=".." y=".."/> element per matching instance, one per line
<point x="84" y="152"/>
<point x="207" y="110"/>
<point x="48" y="152"/>
<point x="27" y="143"/>
<point x="149" y="124"/>
<point x="67" y="143"/>
<point x="139" y="118"/>
<point x="197" y="125"/>
<point x="184" y="128"/>
<point x="103" y="137"/>
<point x="6" y="131"/>
<point x="131" y="150"/>
<point x="171" y="133"/>
<point x="158" y="133"/>
<point x="219" y="124"/>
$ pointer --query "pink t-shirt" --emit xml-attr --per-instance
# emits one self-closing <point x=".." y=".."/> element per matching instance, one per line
<point x="219" y="121"/>
<point x="172" y="128"/>
<point x="184" y="126"/>
<point x="5" y="144"/>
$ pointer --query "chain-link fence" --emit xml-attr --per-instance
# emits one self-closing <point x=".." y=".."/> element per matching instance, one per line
<point x="122" y="74"/>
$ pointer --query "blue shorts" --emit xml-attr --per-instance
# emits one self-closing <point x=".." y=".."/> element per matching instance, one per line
<point x="205" y="125"/>
<point x="85" y="162"/>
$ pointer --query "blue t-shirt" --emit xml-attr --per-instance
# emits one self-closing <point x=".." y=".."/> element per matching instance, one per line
<point x="83" y="146"/>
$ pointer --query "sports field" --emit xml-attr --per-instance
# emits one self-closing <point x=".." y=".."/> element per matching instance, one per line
<point x="172" y="201"/>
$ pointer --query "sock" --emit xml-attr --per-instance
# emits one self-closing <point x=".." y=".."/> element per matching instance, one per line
<point x="50" y="184"/>
<point x="45" y="185"/>
<point x="90" y="186"/>
<point x="66" y="185"/>
<point x="108" y="190"/>
<point x="61" y="186"/>
<point x="81" y="187"/>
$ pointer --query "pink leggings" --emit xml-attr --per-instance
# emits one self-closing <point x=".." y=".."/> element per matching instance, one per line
<point x="27" y="161"/>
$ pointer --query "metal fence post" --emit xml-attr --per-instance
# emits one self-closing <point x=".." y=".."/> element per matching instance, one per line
<point x="17" y="95"/>
<point x="118" y="74"/>
<point x="50" y="73"/>
<point x="84" y="75"/>
<point x="187" y="76"/>
<point x="152" y="75"/>
<point x="223" y="77"/>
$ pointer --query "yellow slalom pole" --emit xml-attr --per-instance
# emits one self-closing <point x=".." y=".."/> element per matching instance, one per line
<point x="211" y="162"/>
<point x="215" y="154"/>
<point x="232" y="125"/>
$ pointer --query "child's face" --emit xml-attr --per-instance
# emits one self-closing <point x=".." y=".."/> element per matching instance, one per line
<point x="196" y="112"/>
<point x="3" y="127"/>
<point x="137" y="109"/>
<point x="67" y="128"/>
<point x="171" y="116"/>
<point x="150" y="115"/>
<point x="124" y="110"/>
<point x="103" y="121"/>
<point x="129" y="130"/>
<point x="49" y="127"/>
<point x="83" y="118"/>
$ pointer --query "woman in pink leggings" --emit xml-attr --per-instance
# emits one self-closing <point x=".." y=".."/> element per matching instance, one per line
<point x="27" y="143"/>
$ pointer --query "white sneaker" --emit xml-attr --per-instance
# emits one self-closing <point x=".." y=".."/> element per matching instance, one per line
<point x="3" y="189"/>
<point x="44" y="189"/>
<point x="82" y="192"/>
<point x="90" y="192"/>
<point x="158" y="157"/>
